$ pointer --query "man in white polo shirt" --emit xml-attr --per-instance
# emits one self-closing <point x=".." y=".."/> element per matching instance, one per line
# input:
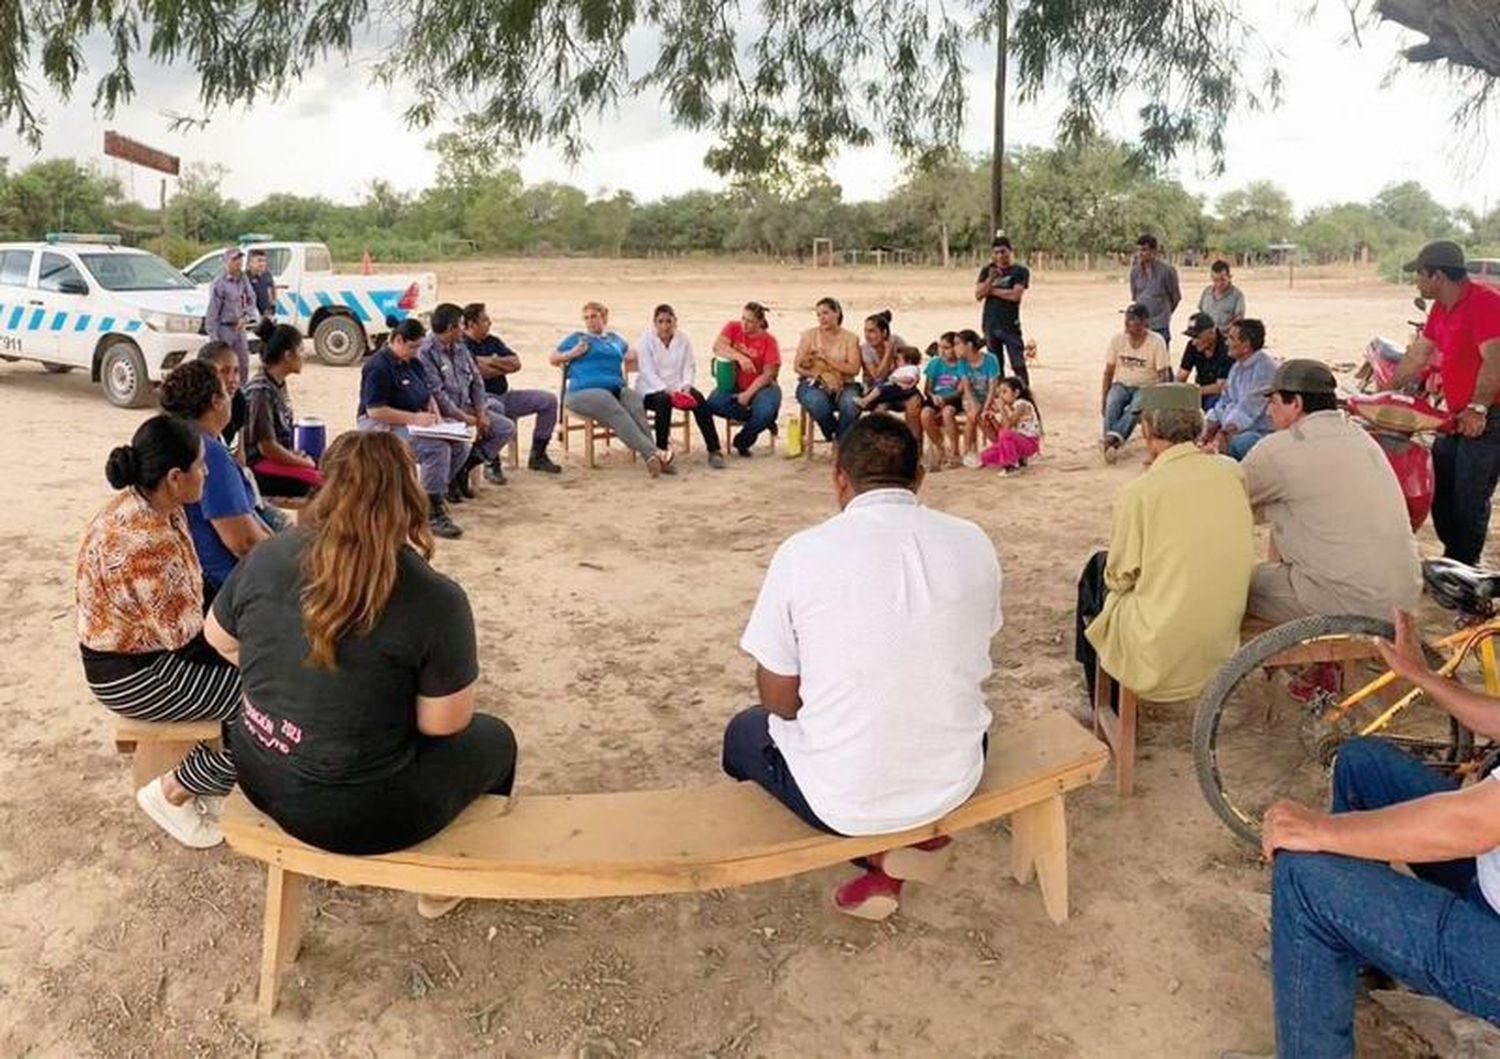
<point x="872" y="637"/>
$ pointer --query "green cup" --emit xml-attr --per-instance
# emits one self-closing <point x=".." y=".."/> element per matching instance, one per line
<point x="724" y="375"/>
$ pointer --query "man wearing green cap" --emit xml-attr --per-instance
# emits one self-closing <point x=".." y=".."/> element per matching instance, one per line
<point x="1463" y="331"/>
<point x="1161" y="610"/>
<point x="1341" y="540"/>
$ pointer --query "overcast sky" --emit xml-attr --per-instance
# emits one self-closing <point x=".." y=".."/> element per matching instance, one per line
<point x="1341" y="134"/>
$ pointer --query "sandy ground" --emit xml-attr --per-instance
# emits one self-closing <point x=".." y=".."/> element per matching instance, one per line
<point x="609" y="607"/>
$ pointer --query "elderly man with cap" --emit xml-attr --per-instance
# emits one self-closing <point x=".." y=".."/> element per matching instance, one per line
<point x="1206" y="360"/>
<point x="1341" y="542"/>
<point x="1463" y="330"/>
<point x="1154" y="284"/>
<point x="1161" y="610"/>
<point x="1136" y="358"/>
<point x="231" y="308"/>
<point x="1239" y="418"/>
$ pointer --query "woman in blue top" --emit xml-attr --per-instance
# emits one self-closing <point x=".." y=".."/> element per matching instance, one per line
<point x="983" y="379"/>
<point x="947" y="379"/>
<point x="223" y="522"/>
<point x="593" y="363"/>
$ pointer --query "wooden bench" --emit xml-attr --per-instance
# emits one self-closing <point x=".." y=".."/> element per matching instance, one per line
<point x="158" y="745"/>
<point x="1115" y="714"/>
<point x="544" y="847"/>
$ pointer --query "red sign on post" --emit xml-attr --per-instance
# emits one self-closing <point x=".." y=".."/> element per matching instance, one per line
<point x="128" y="150"/>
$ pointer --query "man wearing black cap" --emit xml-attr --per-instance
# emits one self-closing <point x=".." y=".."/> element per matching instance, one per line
<point x="1002" y="284"/>
<point x="1206" y="360"/>
<point x="1341" y="542"/>
<point x="1463" y="330"/>
<point x="1154" y="284"/>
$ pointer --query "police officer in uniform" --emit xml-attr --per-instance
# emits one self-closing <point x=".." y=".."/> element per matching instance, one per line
<point x="263" y="284"/>
<point x="231" y="308"/>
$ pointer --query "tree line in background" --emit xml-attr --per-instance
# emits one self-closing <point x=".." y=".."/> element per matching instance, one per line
<point x="1065" y="204"/>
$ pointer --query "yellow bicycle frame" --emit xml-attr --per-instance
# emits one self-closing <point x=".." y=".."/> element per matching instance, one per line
<point x="1482" y="636"/>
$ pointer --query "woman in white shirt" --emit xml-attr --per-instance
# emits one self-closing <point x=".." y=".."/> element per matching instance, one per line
<point x="664" y="357"/>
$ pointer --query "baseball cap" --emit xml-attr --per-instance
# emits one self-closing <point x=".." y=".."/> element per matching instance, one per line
<point x="232" y="253"/>
<point x="1172" y="396"/>
<point x="1199" y="323"/>
<point x="1300" y="375"/>
<point x="1443" y="253"/>
<point x="1137" y="310"/>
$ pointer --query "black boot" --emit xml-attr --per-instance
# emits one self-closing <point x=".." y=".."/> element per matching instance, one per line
<point x="494" y="472"/>
<point x="438" y="520"/>
<point x="540" y="461"/>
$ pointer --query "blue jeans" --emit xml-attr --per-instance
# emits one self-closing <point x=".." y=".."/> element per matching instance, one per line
<point x="751" y="754"/>
<point x="1332" y="915"/>
<point x="1465" y="471"/>
<point x="1240" y="445"/>
<point x="1122" y="408"/>
<point x="760" y="416"/>
<point x="834" y="414"/>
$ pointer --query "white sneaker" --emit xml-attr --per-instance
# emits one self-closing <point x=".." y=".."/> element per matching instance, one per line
<point x="971" y="460"/>
<point x="191" y="823"/>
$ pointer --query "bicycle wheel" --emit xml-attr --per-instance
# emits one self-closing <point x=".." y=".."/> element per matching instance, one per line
<point x="1256" y="742"/>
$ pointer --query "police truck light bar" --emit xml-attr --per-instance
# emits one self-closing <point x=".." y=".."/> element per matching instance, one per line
<point x="102" y="238"/>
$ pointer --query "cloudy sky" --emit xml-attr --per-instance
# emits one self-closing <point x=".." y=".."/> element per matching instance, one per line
<point x="1347" y="128"/>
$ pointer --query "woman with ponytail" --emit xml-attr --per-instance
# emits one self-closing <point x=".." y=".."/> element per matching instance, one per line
<point x="359" y="733"/>
<point x="140" y="619"/>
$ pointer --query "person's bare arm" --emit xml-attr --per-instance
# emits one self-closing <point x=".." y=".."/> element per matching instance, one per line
<point x="1109" y="380"/>
<point x="447" y="714"/>
<point x="240" y="533"/>
<point x="1437" y="827"/>
<point x="395" y="417"/>
<point x="1486" y="388"/>
<point x="272" y="449"/>
<point x="1413" y="362"/>
<point x="1475" y="710"/>
<point x="985" y="287"/>
<point x="766" y="377"/>
<point x="1182" y="375"/>
<point x="220" y="640"/>
<point x="572" y="353"/>
<point x="495" y="367"/>
<point x="780" y="694"/>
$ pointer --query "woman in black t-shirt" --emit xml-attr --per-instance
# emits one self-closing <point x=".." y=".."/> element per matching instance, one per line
<point x="358" y="732"/>
<point x="270" y="452"/>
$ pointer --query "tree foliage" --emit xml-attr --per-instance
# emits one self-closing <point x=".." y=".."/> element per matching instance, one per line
<point x="780" y="83"/>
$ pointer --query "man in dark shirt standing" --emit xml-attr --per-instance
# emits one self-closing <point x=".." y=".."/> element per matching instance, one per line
<point x="1206" y="360"/>
<point x="263" y="284"/>
<point x="496" y="360"/>
<point x="1002" y="284"/>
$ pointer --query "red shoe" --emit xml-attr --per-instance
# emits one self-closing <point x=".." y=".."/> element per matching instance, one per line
<point x="923" y="861"/>
<point x="1322" y="678"/>
<point x="873" y="895"/>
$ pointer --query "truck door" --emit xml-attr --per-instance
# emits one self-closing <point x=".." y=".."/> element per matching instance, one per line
<point x="64" y="297"/>
<point x="18" y="304"/>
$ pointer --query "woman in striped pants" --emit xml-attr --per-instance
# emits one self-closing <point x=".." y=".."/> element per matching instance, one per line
<point x="140" y="620"/>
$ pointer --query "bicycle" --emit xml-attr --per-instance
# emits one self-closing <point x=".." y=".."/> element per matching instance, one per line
<point x="1270" y="723"/>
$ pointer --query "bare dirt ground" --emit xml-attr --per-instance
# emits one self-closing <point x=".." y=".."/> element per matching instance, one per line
<point x="609" y="608"/>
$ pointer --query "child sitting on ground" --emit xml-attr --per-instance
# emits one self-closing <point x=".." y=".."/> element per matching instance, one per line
<point x="1020" y="436"/>
<point x="900" y="387"/>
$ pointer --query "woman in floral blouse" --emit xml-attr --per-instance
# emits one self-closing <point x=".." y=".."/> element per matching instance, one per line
<point x="140" y="619"/>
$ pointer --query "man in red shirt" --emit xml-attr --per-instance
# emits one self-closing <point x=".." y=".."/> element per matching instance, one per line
<point x="755" y="399"/>
<point x="1463" y="329"/>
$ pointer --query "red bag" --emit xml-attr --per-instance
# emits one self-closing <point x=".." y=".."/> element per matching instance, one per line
<point x="683" y="399"/>
<point x="1412" y="463"/>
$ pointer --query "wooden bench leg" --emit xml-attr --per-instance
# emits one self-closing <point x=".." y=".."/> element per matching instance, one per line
<point x="281" y="936"/>
<point x="1039" y="845"/>
<point x="588" y="443"/>
<point x="155" y="756"/>
<point x="1125" y="751"/>
<point x="513" y="454"/>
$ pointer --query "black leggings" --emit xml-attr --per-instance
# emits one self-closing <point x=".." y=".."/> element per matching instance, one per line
<point x="659" y="404"/>
<point x="445" y="774"/>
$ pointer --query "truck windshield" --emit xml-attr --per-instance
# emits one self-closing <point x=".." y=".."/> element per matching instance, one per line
<point x="128" y="272"/>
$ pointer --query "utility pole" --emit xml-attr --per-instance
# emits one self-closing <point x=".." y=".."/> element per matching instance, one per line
<point x="997" y="162"/>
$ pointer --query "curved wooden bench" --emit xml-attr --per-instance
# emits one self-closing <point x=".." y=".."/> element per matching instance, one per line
<point x="160" y="745"/>
<point x="543" y="847"/>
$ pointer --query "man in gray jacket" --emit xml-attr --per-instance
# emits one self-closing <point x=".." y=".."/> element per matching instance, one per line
<point x="1153" y="283"/>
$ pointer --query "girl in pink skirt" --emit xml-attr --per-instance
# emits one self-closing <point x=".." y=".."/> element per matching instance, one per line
<point x="1020" y="436"/>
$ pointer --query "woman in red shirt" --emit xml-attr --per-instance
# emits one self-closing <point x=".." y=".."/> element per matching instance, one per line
<point x="755" y="399"/>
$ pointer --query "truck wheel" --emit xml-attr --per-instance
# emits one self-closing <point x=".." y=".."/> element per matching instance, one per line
<point x="122" y="373"/>
<point x="57" y="369"/>
<point x="339" y="341"/>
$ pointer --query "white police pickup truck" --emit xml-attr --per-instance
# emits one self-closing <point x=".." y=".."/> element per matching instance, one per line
<point x="345" y="316"/>
<point x="85" y="301"/>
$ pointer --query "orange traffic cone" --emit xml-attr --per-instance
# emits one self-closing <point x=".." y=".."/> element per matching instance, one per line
<point x="366" y="264"/>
